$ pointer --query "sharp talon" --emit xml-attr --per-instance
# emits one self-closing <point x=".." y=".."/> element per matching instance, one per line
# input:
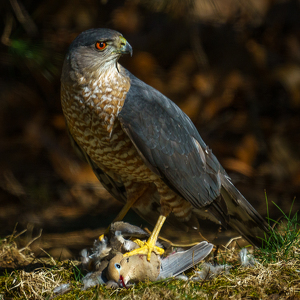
<point x="106" y="232"/>
<point x="139" y="242"/>
<point x="146" y="248"/>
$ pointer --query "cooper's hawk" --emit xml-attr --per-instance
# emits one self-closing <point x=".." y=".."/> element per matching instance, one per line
<point x="141" y="146"/>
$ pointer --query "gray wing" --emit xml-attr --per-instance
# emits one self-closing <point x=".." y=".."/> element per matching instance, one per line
<point x="179" y="262"/>
<point x="172" y="148"/>
<point x="170" y="144"/>
<point x="128" y="230"/>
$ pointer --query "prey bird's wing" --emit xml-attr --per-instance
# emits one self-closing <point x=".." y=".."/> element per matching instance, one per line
<point x="179" y="262"/>
<point x="128" y="230"/>
<point x="170" y="144"/>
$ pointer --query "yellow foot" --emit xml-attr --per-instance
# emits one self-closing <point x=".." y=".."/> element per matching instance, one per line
<point x="146" y="249"/>
<point x="106" y="232"/>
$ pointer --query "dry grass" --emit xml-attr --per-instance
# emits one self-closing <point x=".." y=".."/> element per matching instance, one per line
<point x="24" y="277"/>
<point x="33" y="285"/>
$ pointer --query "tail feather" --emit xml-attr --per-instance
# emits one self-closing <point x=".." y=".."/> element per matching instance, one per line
<point x="242" y="216"/>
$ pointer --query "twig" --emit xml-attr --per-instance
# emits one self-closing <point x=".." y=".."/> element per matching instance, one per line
<point x="232" y="240"/>
<point x="23" y="17"/>
<point x="23" y="231"/>
<point x="34" y="239"/>
<point x="7" y="30"/>
<point x="52" y="259"/>
<point x="177" y="245"/>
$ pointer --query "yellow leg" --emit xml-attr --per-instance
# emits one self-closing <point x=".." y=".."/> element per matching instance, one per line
<point x="149" y="246"/>
<point x="119" y="217"/>
<point x="123" y="211"/>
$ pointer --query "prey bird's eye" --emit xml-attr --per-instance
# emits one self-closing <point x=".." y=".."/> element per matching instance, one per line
<point x="100" y="45"/>
<point x="118" y="266"/>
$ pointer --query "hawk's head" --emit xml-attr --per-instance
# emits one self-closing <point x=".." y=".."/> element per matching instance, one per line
<point x="96" y="49"/>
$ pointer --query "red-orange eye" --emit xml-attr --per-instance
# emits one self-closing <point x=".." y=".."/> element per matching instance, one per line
<point x="100" y="45"/>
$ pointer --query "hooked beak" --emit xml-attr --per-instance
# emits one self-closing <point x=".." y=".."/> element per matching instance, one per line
<point x="125" y="47"/>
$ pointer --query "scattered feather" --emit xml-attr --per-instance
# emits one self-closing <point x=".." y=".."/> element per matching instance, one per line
<point x="247" y="259"/>
<point x="209" y="271"/>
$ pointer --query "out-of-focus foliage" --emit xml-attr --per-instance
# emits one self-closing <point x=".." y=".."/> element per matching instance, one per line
<point x="232" y="66"/>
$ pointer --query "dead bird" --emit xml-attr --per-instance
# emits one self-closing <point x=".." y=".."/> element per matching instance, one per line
<point x="114" y="270"/>
<point x="117" y="240"/>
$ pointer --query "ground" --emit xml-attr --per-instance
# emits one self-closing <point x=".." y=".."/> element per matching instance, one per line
<point x="274" y="276"/>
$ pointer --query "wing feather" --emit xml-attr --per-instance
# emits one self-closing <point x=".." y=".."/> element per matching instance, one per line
<point x="171" y="147"/>
<point x="170" y="144"/>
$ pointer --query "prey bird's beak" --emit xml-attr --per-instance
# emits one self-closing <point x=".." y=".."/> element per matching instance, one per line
<point x="125" y="47"/>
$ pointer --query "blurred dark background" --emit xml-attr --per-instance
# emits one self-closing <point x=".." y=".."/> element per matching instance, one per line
<point x="232" y="66"/>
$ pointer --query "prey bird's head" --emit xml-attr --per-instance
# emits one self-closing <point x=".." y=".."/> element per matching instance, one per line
<point x="96" y="49"/>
